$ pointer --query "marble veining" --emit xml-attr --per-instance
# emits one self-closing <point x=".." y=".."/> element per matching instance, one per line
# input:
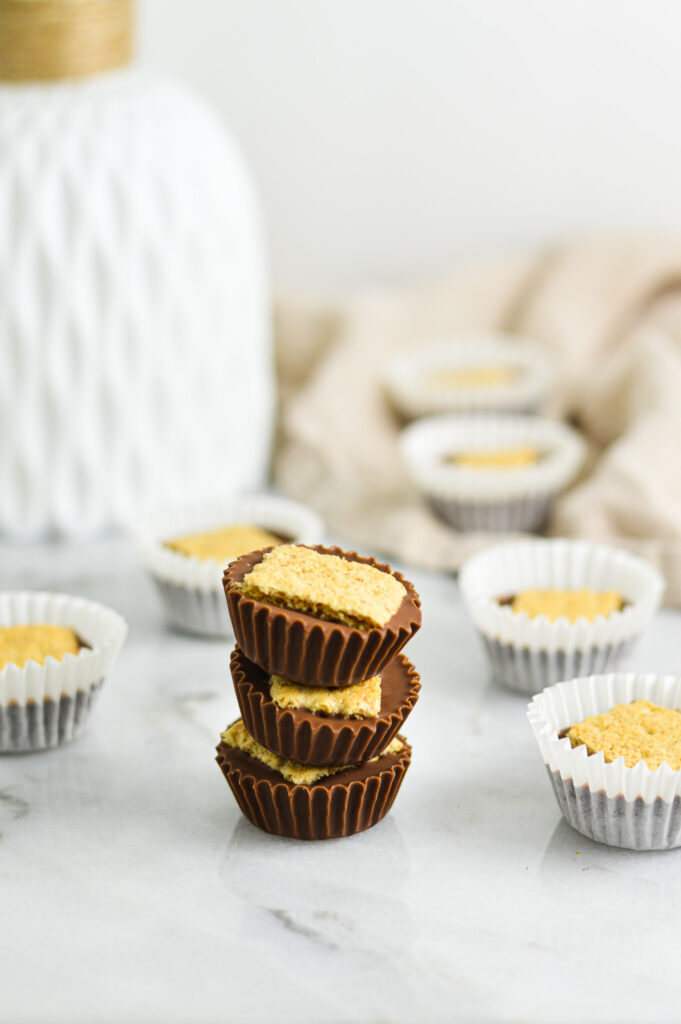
<point x="132" y="889"/>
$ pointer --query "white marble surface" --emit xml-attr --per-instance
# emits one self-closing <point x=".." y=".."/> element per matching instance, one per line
<point x="132" y="890"/>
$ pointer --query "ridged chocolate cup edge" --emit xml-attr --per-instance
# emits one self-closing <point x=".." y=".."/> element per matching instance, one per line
<point x="312" y="651"/>
<point x="317" y="739"/>
<point x="337" y="806"/>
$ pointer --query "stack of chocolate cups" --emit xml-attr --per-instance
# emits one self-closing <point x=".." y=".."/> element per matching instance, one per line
<point x="348" y="769"/>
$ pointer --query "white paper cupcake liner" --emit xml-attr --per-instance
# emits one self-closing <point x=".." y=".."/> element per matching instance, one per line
<point x="190" y="588"/>
<point x="497" y="500"/>
<point x="634" y="808"/>
<point x="43" y="706"/>
<point x="527" y="654"/>
<point x="408" y="388"/>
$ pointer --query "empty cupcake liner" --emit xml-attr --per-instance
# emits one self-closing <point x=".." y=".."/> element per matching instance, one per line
<point x="308" y="738"/>
<point x="43" y="706"/>
<point x="407" y="384"/>
<point x="338" y="805"/>
<point x="312" y="651"/>
<point x="191" y="588"/>
<point x="527" y="654"/>
<point x="497" y="500"/>
<point x="634" y="808"/>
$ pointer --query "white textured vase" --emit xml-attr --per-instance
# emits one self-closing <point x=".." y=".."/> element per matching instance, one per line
<point x="134" y="312"/>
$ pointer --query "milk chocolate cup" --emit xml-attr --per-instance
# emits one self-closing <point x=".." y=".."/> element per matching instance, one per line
<point x="336" y="806"/>
<point x="323" y="740"/>
<point x="312" y="651"/>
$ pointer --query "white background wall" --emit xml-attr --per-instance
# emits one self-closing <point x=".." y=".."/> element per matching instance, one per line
<point x="392" y="138"/>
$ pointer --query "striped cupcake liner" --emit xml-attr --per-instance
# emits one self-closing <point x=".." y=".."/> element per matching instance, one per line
<point x="43" y="706"/>
<point x="632" y="808"/>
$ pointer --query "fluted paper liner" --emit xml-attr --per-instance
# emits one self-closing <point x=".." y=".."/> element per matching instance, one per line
<point x="309" y="738"/>
<point x="406" y="377"/>
<point x="338" y="805"/>
<point x="634" y="808"/>
<point x="45" y="705"/>
<point x="491" y="499"/>
<point x="312" y="651"/>
<point x="527" y="654"/>
<point x="191" y="588"/>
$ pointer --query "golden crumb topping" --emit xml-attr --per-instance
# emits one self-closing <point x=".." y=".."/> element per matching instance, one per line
<point x="639" y="731"/>
<point x="359" y="700"/>
<point x="225" y="544"/>
<point x="326" y="586"/>
<point x="498" y="458"/>
<point x="19" y="644"/>
<point x="299" y="774"/>
<point x="572" y="604"/>
<point x="473" y="377"/>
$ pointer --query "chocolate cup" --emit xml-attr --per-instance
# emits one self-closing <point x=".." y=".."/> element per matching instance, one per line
<point x="335" y="806"/>
<point x="323" y="740"/>
<point x="311" y="651"/>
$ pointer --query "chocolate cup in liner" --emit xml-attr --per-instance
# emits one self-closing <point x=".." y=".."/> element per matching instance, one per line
<point x="492" y="499"/>
<point x="527" y="671"/>
<point x="312" y="651"/>
<point x="633" y="808"/>
<point x="43" y="706"/>
<point x="300" y="735"/>
<point x="526" y="654"/>
<point x="40" y="726"/>
<point x="191" y="588"/>
<point x="526" y="514"/>
<point x="338" y="805"/>
<point x="406" y="377"/>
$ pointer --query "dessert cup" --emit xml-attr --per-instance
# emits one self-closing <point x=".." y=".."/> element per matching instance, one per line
<point x="337" y="805"/>
<point x="300" y="735"/>
<point x="43" y="706"/>
<point x="491" y="499"/>
<point x="312" y="651"/>
<point x="191" y="588"/>
<point x="630" y="807"/>
<point x="410" y="380"/>
<point x="527" y="654"/>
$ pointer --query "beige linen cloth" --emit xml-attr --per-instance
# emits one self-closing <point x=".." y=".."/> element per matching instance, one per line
<point x="610" y="308"/>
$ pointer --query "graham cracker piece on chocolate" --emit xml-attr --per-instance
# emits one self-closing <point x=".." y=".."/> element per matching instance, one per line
<point x="325" y="586"/>
<point x="298" y="774"/>
<point x="359" y="700"/>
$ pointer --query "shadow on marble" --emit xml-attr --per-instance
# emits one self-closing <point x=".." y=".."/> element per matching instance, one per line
<point x="569" y="848"/>
<point x="337" y="894"/>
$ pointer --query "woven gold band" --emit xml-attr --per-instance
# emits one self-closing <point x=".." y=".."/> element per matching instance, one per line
<point x="50" y="39"/>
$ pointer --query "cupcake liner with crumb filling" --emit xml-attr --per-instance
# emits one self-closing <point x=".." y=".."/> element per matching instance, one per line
<point x="527" y="652"/>
<point x="47" y="700"/>
<point x="615" y="784"/>
<point x="491" y="473"/>
<point x="190" y="587"/>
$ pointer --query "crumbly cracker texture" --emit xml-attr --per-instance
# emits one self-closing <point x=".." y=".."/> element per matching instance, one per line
<point x="639" y="731"/>
<point x="299" y="774"/>
<point x="359" y="700"/>
<point x="500" y="458"/>
<point x="572" y="604"/>
<point x="225" y="544"/>
<point x="326" y="586"/>
<point x="19" y="644"/>
<point x="471" y="377"/>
